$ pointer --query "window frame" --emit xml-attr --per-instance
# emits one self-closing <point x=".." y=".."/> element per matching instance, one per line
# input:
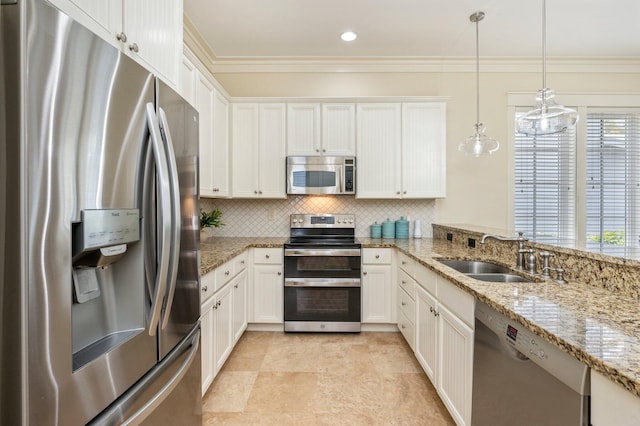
<point x="583" y="103"/>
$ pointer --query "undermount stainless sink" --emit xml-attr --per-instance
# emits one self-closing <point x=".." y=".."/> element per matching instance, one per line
<point x="474" y="266"/>
<point x="499" y="278"/>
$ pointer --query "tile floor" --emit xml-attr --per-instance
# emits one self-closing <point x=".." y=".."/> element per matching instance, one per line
<point x="322" y="379"/>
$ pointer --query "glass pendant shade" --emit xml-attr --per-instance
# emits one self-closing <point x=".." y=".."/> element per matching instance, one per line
<point x="547" y="117"/>
<point x="478" y="144"/>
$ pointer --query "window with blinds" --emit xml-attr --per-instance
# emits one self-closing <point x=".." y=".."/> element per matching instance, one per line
<point x="613" y="180"/>
<point x="545" y="186"/>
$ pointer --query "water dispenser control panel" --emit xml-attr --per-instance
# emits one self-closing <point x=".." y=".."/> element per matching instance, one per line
<point x="110" y="227"/>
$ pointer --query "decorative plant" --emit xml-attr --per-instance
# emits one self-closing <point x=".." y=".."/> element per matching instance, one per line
<point x="212" y="219"/>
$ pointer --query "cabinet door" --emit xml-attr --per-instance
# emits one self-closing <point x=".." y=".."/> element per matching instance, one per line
<point x="272" y="151"/>
<point x="339" y="129"/>
<point x="206" y="342"/>
<point x="423" y="150"/>
<point x="154" y="34"/>
<point x="220" y="160"/>
<point x="426" y="332"/>
<point x="378" y="151"/>
<point x="268" y="294"/>
<point x="244" y="170"/>
<point x="205" y="95"/>
<point x="239" y="305"/>
<point x="104" y="18"/>
<point x="376" y="294"/>
<point x="303" y="129"/>
<point x="455" y="372"/>
<point x="223" y="334"/>
<point x="188" y="79"/>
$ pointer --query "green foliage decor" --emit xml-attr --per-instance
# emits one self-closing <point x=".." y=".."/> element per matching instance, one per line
<point x="616" y="238"/>
<point x="212" y="219"/>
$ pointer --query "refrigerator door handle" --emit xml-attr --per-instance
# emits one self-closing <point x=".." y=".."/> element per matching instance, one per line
<point x="175" y="215"/>
<point x="163" y="194"/>
<point x="163" y="393"/>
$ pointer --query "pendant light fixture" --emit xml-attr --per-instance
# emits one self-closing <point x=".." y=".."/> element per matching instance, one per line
<point x="547" y="117"/>
<point x="478" y="144"/>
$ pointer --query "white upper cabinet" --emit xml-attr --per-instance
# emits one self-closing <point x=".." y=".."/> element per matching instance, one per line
<point x="321" y="129"/>
<point x="258" y="137"/>
<point x="150" y="31"/>
<point x="401" y="150"/>
<point x="303" y="129"/>
<point x="339" y="129"/>
<point x="198" y="86"/>
<point x="378" y="150"/>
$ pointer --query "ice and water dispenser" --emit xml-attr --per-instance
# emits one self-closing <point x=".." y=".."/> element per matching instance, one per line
<point x="107" y="272"/>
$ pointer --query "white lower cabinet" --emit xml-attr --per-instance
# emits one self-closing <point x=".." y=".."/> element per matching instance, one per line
<point x="223" y="314"/>
<point x="222" y="332"/>
<point x="267" y="286"/>
<point x="378" y="297"/>
<point x="239" y="304"/>
<point x="611" y="404"/>
<point x="444" y="340"/>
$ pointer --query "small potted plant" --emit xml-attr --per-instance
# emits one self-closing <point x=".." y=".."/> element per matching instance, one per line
<point x="210" y="220"/>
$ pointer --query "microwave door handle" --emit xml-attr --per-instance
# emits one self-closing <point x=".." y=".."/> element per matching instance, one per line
<point x="164" y="208"/>
<point x="340" y="174"/>
<point x="175" y="215"/>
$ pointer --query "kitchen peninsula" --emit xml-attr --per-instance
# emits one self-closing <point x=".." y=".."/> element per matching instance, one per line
<point x="598" y="326"/>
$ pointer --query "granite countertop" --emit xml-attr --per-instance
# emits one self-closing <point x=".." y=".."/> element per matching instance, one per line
<point x="596" y="326"/>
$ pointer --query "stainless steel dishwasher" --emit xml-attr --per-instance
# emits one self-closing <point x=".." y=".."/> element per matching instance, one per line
<point x="521" y="379"/>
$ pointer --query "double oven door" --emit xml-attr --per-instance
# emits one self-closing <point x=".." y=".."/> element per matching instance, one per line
<point x="322" y="289"/>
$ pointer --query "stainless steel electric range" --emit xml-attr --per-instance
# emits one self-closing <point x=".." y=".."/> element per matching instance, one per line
<point x="322" y="274"/>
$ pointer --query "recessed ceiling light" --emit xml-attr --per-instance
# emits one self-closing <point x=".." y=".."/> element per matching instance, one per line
<point x="348" y="36"/>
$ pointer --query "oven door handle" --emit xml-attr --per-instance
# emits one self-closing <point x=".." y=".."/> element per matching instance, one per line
<point x="322" y="282"/>
<point x="322" y="252"/>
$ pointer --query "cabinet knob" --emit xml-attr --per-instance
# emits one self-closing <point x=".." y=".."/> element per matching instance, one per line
<point x="403" y="282"/>
<point x="279" y="273"/>
<point x="235" y="286"/>
<point x="403" y="326"/>
<point x="121" y="37"/>
<point x="404" y="192"/>
<point x="226" y="272"/>
<point x="430" y="308"/>
<point x="317" y="150"/>
<point x="134" y="47"/>
<point x="404" y="263"/>
<point x="266" y="255"/>
<point x="255" y="191"/>
<point x="205" y="288"/>
<point x="259" y="192"/>
<point x="364" y="273"/>
<point x="324" y="150"/>
<point x="377" y="256"/>
<point x="398" y="192"/>
<point x="403" y="304"/>
<point x="242" y="262"/>
<point x="219" y="303"/>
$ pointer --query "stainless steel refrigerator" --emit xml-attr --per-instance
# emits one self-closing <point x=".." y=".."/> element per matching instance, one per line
<point x="99" y="282"/>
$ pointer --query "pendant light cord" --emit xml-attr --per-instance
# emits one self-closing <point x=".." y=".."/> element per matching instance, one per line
<point x="544" y="44"/>
<point x="477" y="72"/>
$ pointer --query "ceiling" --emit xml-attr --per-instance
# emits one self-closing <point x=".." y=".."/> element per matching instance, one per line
<point x="416" y="28"/>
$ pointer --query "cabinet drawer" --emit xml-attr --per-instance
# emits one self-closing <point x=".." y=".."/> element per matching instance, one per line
<point x="268" y="256"/>
<point x="406" y="305"/>
<point x="224" y="273"/>
<point x="207" y="286"/>
<point x="459" y="302"/>
<point x="407" y="329"/>
<point x="240" y="262"/>
<point x="407" y="264"/>
<point x="376" y="256"/>
<point x="426" y="279"/>
<point x="407" y="283"/>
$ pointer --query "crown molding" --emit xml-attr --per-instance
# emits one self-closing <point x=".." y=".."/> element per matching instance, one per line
<point x="194" y="41"/>
<point x="345" y="99"/>
<point x="413" y="65"/>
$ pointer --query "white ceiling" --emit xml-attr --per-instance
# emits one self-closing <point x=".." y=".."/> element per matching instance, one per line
<point x="416" y="28"/>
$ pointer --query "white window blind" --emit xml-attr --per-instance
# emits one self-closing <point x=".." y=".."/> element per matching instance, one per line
<point x="613" y="181"/>
<point x="545" y="177"/>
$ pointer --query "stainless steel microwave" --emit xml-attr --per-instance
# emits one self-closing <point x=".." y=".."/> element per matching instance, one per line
<point x="321" y="175"/>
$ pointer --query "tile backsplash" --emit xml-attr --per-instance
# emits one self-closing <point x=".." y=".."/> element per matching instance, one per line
<point x="270" y="218"/>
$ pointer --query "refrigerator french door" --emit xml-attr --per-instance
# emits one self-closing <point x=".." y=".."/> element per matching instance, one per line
<point x="99" y="291"/>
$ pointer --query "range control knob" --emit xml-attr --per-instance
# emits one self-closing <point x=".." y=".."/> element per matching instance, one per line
<point x="541" y="353"/>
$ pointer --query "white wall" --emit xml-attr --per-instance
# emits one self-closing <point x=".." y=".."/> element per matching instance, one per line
<point x="477" y="189"/>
